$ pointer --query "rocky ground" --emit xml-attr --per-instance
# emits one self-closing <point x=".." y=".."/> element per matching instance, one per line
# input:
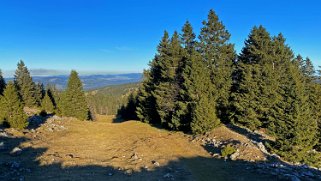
<point x="55" y="148"/>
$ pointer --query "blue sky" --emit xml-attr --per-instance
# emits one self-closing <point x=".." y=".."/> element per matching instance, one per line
<point x="121" y="36"/>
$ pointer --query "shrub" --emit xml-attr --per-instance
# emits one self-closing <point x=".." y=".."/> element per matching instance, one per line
<point x="228" y="150"/>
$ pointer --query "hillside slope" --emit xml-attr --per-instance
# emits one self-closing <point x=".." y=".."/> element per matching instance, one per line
<point x="65" y="149"/>
<point x="108" y="100"/>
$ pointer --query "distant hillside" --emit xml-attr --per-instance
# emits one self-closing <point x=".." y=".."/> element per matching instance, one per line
<point x="90" y="81"/>
<point x="109" y="99"/>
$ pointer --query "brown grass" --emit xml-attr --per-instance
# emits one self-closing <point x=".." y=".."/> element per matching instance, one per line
<point x="90" y="150"/>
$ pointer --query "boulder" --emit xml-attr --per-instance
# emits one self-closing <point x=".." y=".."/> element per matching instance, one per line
<point x="16" y="151"/>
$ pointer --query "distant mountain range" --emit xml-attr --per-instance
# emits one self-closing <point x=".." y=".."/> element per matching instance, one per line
<point x="89" y="81"/>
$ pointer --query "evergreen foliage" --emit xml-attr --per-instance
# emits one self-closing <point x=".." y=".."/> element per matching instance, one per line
<point x="127" y="112"/>
<point x="40" y="92"/>
<point x="295" y="124"/>
<point x="25" y="86"/>
<point x="166" y="92"/>
<point x="73" y="100"/>
<point x="219" y="54"/>
<point x="197" y="82"/>
<point x="192" y="85"/>
<point x="2" y="83"/>
<point x="187" y="86"/>
<point x="256" y="80"/>
<point x="11" y="108"/>
<point x="48" y="103"/>
<point x="146" y="100"/>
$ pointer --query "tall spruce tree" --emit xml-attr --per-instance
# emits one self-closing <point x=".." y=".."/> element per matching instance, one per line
<point x="2" y="83"/>
<point x="300" y="62"/>
<point x="188" y="38"/>
<point x="74" y="102"/>
<point x="282" y="55"/>
<point x="201" y="101"/>
<point x="182" y="112"/>
<point x="55" y="97"/>
<point x="40" y="92"/>
<point x="25" y="86"/>
<point x="47" y="103"/>
<point x="11" y="108"/>
<point x="219" y="54"/>
<point x="255" y="80"/>
<point x="166" y="92"/>
<point x="146" y="101"/>
<point x="295" y="125"/>
<point x="308" y="69"/>
<point x="315" y="102"/>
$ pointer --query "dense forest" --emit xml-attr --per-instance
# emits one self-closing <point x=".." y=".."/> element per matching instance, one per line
<point x="195" y="83"/>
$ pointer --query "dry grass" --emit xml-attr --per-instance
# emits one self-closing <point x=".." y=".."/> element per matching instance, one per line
<point x="90" y="150"/>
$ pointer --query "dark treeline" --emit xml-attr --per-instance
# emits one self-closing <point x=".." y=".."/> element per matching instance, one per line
<point x="24" y="92"/>
<point x="195" y="84"/>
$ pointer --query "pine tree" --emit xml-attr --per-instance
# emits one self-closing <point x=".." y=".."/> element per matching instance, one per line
<point x="40" y="92"/>
<point x="299" y="61"/>
<point x="255" y="80"/>
<point x="54" y="95"/>
<point x="47" y="103"/>
<point x="127" y="111"/>
<point x="146" y="101"/>
<point x="201" y="102"/>
<point x="182" y="113"/>
<point x="219" y="54"/>
<point x="188" y="37"/>
<point x="166" y="92"/>
<point x="25" y="86"/>
<point x="2" y="83"/>
<point x="308" y="69"/>
<point x="74" y="102"/>
<point x="295" y="125"/>
<point x="12" y="108"/>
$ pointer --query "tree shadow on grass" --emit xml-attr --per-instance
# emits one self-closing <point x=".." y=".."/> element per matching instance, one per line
<point x="27" y="166"/>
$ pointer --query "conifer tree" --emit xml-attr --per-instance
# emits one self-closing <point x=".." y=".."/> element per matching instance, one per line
<point x="25" y="86"/>
<point x="308" y="69"/>
<point x="54" y="95"/>
<point x="40" y="92"/>
<point x="314" y="92"/>
<point x="256" y="80"/>
<point x="12" y="108"/>
<point x="166" y="92"/>
<point x="299" y="61"/>
<point x="74" y="102"/>
<point x="201" y="102"/>
<point x="182" y="112"/>
<point x="281" y="57"/>
<point x="127" y="111"/>
<point x="219" y="54"/>
<point x="295" y="125"/>
<point x="146" y="101"/>
<point x="188" y="37"/>
<point x="2" y="83"/>
<point x="47" y="103"/>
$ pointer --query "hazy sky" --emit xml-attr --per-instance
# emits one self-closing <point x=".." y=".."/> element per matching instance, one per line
<point x="121" y="36"/>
